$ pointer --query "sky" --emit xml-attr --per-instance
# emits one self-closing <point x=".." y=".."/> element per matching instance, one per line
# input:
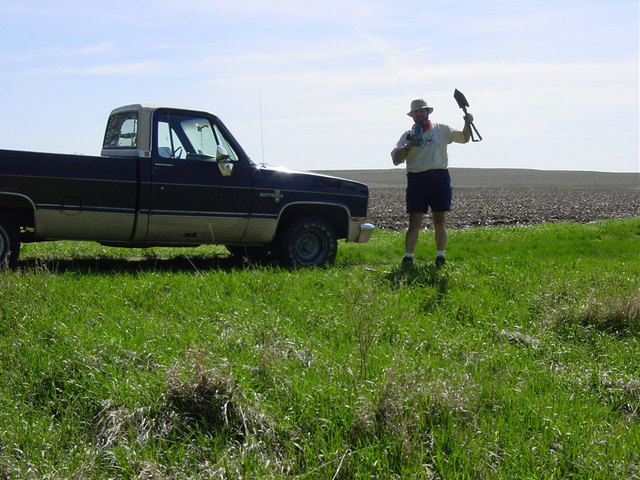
<point x="553" y="85"/>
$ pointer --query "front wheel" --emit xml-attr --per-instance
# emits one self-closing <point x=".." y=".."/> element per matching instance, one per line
<point x="307" y="242"/>
<point x="9" y="242"/>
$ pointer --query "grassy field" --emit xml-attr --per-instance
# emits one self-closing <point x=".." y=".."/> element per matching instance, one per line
<point x="518" y="360"/>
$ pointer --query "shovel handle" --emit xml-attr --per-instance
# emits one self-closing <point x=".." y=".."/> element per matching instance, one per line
<point x="473" y="128"/>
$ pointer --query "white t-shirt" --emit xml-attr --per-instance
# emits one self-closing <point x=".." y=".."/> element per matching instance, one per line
<point x="433" y="154"/>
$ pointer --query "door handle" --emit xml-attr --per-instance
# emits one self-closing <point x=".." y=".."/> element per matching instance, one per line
<point x="163" y="165"/>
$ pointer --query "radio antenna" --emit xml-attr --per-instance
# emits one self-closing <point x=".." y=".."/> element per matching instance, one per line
<point x="261" y="131"/>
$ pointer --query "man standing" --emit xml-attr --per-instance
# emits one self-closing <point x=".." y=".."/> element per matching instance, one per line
<point x="424" y="148"/>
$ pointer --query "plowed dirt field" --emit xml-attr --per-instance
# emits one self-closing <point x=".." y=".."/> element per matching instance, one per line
<point x="493" y="197"/>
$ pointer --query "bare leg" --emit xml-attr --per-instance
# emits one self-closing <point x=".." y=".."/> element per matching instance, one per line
<point x="415" y="224"/>
<point x="440" y="227"/>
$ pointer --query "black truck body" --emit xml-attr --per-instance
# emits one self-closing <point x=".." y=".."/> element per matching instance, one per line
<point x="176" y="177"/>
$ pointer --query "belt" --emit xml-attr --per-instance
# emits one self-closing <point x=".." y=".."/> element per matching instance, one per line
<point x="435" y="171"/>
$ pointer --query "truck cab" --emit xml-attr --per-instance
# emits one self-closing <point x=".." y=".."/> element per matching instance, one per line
<point x="195" y="180"/>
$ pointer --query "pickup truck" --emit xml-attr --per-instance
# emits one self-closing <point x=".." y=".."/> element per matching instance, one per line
<point x="176" y="177"/>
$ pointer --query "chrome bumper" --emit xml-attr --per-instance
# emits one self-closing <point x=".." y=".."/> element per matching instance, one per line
<point x="360" y="231"/>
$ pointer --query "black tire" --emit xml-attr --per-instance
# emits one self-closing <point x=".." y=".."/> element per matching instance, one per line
<point x="307" y="242"/>
<point x="9" y="242"/>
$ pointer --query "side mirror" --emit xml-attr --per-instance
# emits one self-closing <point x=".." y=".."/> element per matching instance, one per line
<point x="221" y="154"/>
<point x="222" y="157"/>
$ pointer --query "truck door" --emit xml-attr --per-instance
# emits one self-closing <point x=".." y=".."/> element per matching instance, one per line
<point x="192" y="200"/>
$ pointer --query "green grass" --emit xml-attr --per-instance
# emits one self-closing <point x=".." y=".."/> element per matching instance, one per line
<point x="518" y="359"/>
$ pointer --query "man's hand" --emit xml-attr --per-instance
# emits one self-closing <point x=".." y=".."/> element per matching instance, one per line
<point x="468" y="119"/>
<point x="399" y="154"/>
<point x="413" y="139"/>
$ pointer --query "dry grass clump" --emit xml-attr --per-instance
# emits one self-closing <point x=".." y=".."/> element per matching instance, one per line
<point x="519" y="338"/>
<point x="614" y="314"/>
<point x="408" y="407"/>
<point x="206" y="399"/>
<point x="203" y="400"/>
<point x="622" y="395"/>
<point x="402" y="422"/>
<point x="199" y="406"/>
<point x="124" y="427"/>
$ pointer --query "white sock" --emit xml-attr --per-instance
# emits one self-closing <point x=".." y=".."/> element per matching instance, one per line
<point x="441" y="253"/>
<point x="408" y="255"/>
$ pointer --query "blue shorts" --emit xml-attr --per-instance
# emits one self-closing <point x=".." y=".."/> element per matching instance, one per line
<point x="430" y="189"/>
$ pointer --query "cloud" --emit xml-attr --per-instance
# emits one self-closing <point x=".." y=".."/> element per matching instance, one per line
<point x="263" y="72"/>
<point x="54" y="53"/>
<point x="133" y="68"/>
<point x="341" y="11"/>
<point x="87" y="50"/>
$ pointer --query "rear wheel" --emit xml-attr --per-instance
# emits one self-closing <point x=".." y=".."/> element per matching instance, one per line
<point x="9" y="242"/>
<point x="307" y="242"/>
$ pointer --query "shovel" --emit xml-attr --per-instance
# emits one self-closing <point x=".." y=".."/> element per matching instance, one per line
<point x="463" y="104"/>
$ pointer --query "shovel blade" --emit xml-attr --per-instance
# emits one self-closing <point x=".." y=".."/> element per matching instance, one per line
<point x="460" y="98"/>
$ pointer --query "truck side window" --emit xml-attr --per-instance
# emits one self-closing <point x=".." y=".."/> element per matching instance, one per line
<point x="190" y="137"/>
<point x="200" y="134"/>
<point x="169" y="145"/>
<point x="220" y="140"/>
<point x="122" y="131"/>
<point x="205" y="137"/>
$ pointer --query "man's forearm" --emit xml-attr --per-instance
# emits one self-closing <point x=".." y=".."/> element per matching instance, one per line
<point x="399" y="155"/>
<point x="466" y="131"/>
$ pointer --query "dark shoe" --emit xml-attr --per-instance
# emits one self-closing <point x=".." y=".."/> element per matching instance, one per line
<point x="440" y="261"/>
<point x="407" y="262"/>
